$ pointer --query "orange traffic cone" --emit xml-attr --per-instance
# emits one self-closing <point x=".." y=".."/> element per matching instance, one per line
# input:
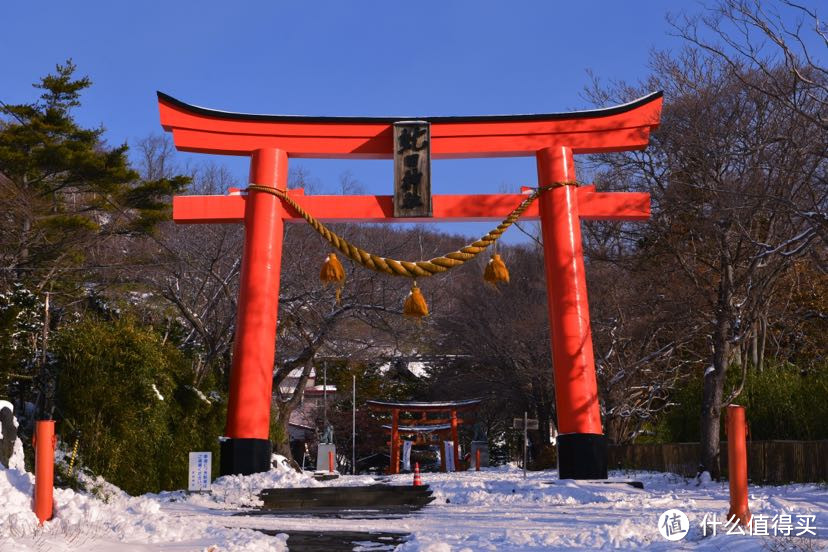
<point x="417" y="480"/>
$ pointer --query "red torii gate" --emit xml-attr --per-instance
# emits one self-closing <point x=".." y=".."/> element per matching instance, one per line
<point x="269" y="140"/>
<point x="448" y="425"/>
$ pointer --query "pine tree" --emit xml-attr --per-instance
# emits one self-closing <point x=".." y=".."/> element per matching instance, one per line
<point x="70" y="202"/>
<point x="66" y="191"/>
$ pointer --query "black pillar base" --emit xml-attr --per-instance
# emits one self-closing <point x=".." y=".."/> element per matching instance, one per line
<point x="582" y="456"/>
<point x="244" y="456"/>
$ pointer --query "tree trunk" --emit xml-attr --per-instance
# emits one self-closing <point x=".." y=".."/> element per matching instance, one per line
<point x="543" y="429"/>
<point x="763" y="325"/>
<point x="710" y="420"/>
<point x="23" y="257"/>
<point x="279" y="432"/>
<point x="544" y="414"/>
<point x="714" y="378"/>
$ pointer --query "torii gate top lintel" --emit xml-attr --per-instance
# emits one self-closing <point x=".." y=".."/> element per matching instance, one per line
<point x="618" y="128"/>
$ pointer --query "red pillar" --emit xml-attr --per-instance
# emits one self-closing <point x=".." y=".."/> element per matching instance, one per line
<point x="395" y="445"/>
<point x="454" y="440"/>
<point x="581" y="445"/>
<point x="248" y="413"/>
<point x="737" y="464"/>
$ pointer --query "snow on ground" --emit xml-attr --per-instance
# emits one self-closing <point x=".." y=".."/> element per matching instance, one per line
<point x="111" y="521"/>
<point x="495" y="509"/>
<point x="234" y="492"/>
<point x="107" y="519"/>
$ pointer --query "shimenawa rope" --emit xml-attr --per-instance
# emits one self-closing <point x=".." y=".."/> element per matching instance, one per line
<point x="418" y="269"/>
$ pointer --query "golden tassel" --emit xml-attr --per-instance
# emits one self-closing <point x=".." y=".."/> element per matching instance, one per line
<point x="496" y="271"/>
<point x="333" y="273"/>
<point x="415" y="304"/>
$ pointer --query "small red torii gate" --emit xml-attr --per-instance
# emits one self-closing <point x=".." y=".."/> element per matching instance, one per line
<point x="423" y="408"/>
<point x="553" y="139"/>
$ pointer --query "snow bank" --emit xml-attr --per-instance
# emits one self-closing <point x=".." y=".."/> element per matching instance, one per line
<point x="493" y="510"/>
<point x="497" y="510"/>
<point x="513" y="492"/>
<point x="119" y="520"/>
<point x="232" y="492"/>
<point x="109" y="520"/>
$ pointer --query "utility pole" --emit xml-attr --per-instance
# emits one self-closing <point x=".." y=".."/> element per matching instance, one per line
<point x="325" y="393"/>
<point x="525" y="440"/>
<point x="43" y="410"/>
<point x="353" y="429"/>
<point x="45" y="341"/>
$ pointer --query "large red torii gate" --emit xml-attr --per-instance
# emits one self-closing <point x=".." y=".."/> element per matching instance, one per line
<point x="269" y="140"/>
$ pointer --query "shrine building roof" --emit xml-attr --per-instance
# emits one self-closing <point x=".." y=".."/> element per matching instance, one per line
<point x="423" y="406"/>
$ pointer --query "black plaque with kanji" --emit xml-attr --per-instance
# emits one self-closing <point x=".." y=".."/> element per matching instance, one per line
<point x="412" y="169"/>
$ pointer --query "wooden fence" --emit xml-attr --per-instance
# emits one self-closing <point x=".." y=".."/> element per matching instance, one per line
<point x="768" y="461"/>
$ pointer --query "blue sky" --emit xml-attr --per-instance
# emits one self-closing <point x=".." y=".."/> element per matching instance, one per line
<point x="335" y="58"/>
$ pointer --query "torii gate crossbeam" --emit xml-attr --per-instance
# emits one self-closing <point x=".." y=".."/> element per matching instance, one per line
<point x="269" y="140"/>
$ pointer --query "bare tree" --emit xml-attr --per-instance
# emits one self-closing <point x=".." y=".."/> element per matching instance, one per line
<point x="364" y="324"/>
<point x="723" y="161"/>
<point x="194" y="268"/>
<point x="786" y="43"/>
<point x="502" y="337"/>
<point x="642" y="354"/>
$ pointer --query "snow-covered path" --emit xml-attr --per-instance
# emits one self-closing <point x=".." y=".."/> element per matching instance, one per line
<point x="498" y="510"/>
<point x="495" y="509"/>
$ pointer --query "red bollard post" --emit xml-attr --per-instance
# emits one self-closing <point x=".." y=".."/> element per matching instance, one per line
<point x="44" y="443"/>
<point x="330" y="461"/>
<point x="477" y="460"/>
<point x="737" y="464"/>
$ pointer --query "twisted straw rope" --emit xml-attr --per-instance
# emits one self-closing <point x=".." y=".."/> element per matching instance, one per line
<point x="418" y="269"/>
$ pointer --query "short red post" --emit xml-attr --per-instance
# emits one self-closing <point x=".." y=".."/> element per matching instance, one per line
<point x="737" y="463"/>
<point x="44" y="444"/>
<point x="330" y="461"/>
<point x="477" y="460"/>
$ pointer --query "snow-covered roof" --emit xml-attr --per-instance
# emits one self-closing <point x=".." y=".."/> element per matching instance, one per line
<point x="301" y="426"/>
<point x="424" y="405"/>
<point x="418" y="369"/>
<point x="296" y="373"/>
<point x="420" y="428"/>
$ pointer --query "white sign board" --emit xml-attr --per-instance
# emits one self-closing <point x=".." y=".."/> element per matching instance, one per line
<point x="406" y="456"/>
<point x="531" y="423"/>
<point x="200" y="471"/>
<point x="448" y="446"/>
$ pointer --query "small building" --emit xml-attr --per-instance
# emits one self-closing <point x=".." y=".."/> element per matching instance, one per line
<point x="302" y="426"/>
